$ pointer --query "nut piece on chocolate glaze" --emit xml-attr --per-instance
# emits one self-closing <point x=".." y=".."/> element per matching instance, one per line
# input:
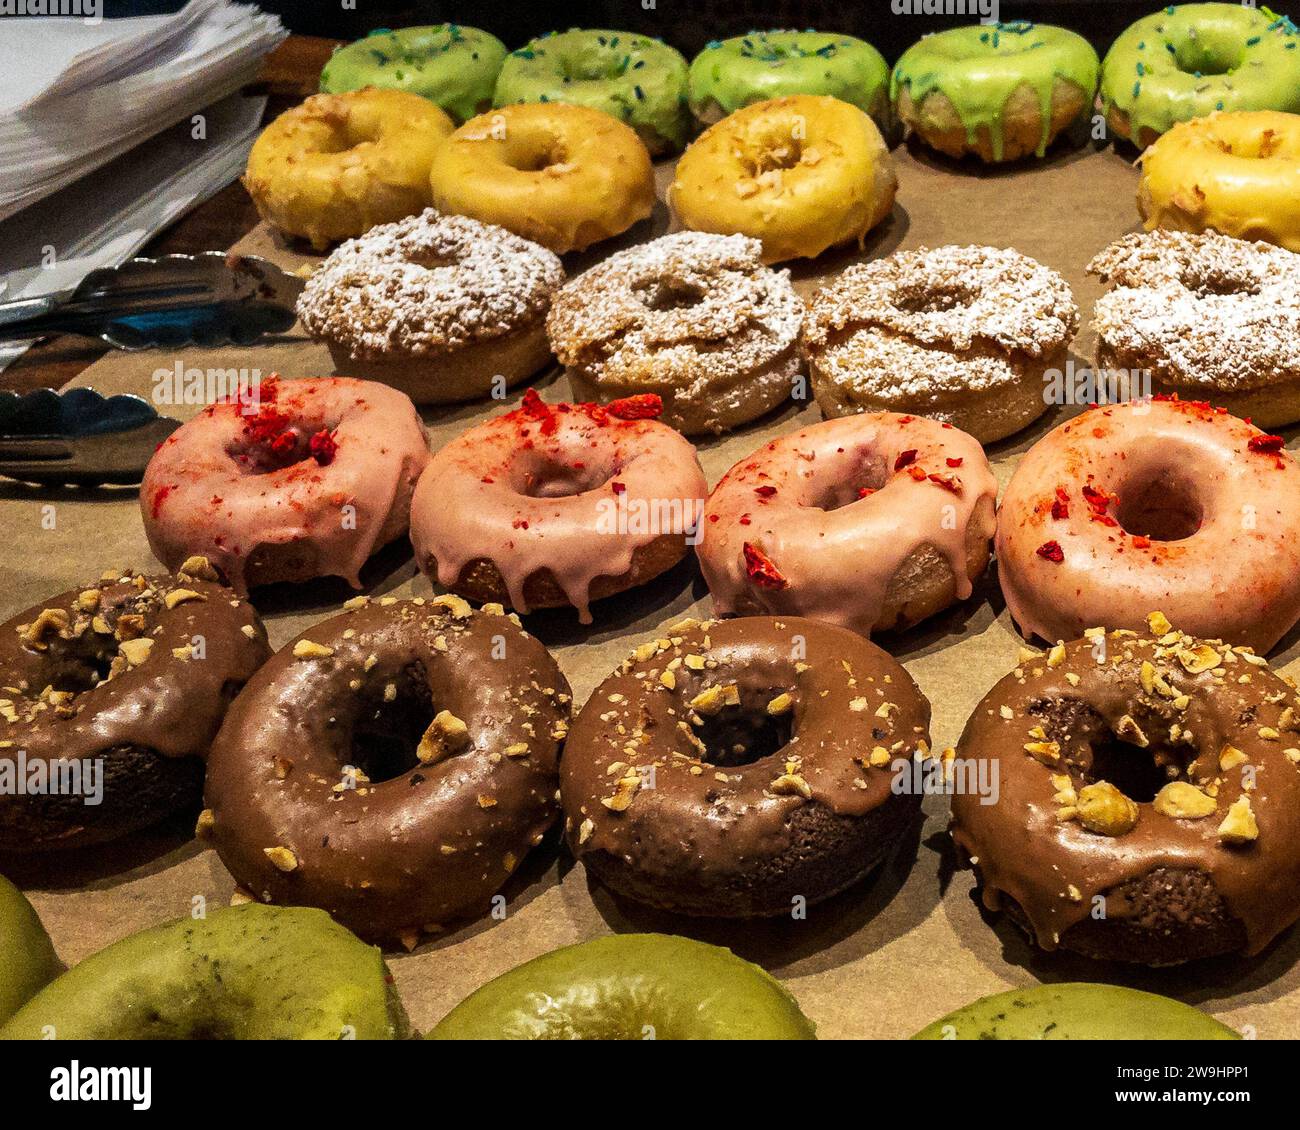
<point x="1136" y="741"/>
<point x="1102" y="808"/>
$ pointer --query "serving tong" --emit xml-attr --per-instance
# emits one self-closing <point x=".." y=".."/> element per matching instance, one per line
<point x="208" y="299"/>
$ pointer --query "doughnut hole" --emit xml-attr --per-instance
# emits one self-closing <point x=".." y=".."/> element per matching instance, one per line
<point x="1200" y="58"/>
<point x="265" y="450"/>
<point x="1163" y="507"/>
<point x="663" y="295"/>
<point x="771" y="150"/>
<point x="745" y="733"/>
<point x="533" y="150"/>
<point x="933" y="299"/>
<point x="840" y="482"/>
<point x="1092" y="749"/>
<point x="390" y="717"/>
<point x="541" y="475"/>
<point x="75" y="666"/>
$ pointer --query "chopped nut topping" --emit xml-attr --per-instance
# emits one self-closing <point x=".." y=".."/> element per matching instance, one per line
<point x="1230" y="757"/>
<point x="781" y="704"/>
<point x="1106" y="810"/>
<point x="712" y="699"/>
<point x="1127" y="729"/>
<point x="205" y="823"/>
<point x="50" y="621"/>
<point x="136" y="651"/>
<point x="180" y="596"/>
<point x="199" y="568"/>
<point x="310" y="649"/>
<point x="1158" y="623"/>
<point x="1198" y="659"/>
<point x="1046" y="752"/>
<point x="624" y="792"/>
<point x="1183" y="801"/>
<point x="1239" y="826"/>
<point x="282" y="859"/>
<point x="459" y="608"/>
<point x="445" y="736"/>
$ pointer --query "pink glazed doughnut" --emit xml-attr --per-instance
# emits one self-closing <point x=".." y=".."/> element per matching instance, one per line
<point x="556" y="505"/>
<point x="1167" y="506"/>
<point x="307" y="481"/>
<point x="873" y="522"/>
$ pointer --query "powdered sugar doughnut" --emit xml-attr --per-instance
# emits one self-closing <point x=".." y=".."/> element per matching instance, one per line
<point x="1153" y="505"/>
<point x="871" y="522"/>
<point x="438" y="306"/>
<point x="308" y="485"/>
<point x="557" y="504"/>
<point x="1210" y="317"/>
<point x="958" y="334"/>
<point x="696" y="319"/>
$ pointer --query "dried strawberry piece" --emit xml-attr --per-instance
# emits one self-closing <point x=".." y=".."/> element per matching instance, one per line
<point x="534" y="406"/>
<point x="1051" y="551"/>
<point x="646" y="406"/>
<point x="918" y="473"/>
<point x="954" y="462"/>
<point x="323" y="447"/>
<point x="159" y="497"/>
<point x="1139" y="542"/>
<point x="284" y="444"/>
<point x="948" y="482"/>
<point x="865" y="492"/>
<point x="618" y="488"/>
<point x="1061" y="505"/>
<point x="1266" y="445"/>
<point x="1098" y="499"/>
<point x="905" y="459"/>
<point x="765" y="491"/>
<point x="761" y="570"/>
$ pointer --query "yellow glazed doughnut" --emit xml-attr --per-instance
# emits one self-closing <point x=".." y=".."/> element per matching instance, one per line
<point x="1236" y="172"/>
<point x="799" y="174"/>
<point x="339" y="164"/>
<point x="563" y="176"/>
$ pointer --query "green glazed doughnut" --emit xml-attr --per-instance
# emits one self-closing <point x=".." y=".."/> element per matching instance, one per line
<point x="630" y="987"/>
<point x="452" y="66"/>
<point x="248" y="972"/>
<point x="1012" y="87"/>
<point x="1189" y="60"/>
<point x="636" y="79"/>
<point x="1075" y="1011"/>
<point x="29" y="960"/>
<point x="731" y="74"/>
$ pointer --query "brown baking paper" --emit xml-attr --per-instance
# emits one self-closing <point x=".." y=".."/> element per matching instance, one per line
<point x="881" y="960"/>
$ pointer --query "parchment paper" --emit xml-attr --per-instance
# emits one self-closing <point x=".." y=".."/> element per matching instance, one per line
<point x="881" y="960"/>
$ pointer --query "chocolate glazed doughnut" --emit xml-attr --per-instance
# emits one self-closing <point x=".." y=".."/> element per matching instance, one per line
<point x="1149" y="806"/>
<point x="736" y="765"/>
<point x="120" y="685"/>
<point x="392" y="766"/>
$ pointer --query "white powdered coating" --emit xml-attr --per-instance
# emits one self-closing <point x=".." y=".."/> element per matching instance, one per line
<point x="876" y="365"/>
<point x="1202" y="309"/>
<point x="428" y="283"/>
<point x="686" y="310"/>
<point x="951" y="297"/>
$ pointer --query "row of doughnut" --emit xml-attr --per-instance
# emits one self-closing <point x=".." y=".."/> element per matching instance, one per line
<point x="743" y="768"/>
<point x="556" y="139"/>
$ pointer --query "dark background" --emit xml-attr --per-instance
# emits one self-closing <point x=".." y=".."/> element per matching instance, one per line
<point x="686" y="24"/>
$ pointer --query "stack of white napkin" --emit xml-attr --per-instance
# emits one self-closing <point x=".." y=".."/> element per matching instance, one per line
<point x="109" y="131"/>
